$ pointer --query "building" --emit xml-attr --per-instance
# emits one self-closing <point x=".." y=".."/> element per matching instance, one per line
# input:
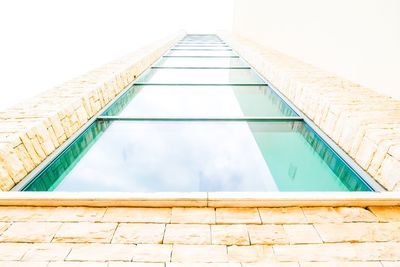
<point x="202" y="150"/>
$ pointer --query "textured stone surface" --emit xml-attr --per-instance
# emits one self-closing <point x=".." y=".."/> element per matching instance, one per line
<point x="229" y="235"/>
<point x="193" y="215"/>
<point x="267" y="234"/>
<point x="302" y="234"/>
<point x="187" y="234"/>
<point x="340" y="236"/>
<point x="30" y="232"/>
<point x="144" y="215"/>
<point x="237" y="215"/>
<point x="102" y="252"/>
<point x="139" y="233"/>
<point x="199" y="253"/>
<point x="85" y="232"/>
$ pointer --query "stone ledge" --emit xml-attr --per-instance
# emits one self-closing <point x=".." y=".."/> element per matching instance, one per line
<point x="363" y="123"/>
<point x="32" y="130"/>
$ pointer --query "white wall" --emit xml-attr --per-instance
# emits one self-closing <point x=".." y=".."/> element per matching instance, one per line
<point x="44" y="43"/>
<point x="357" y="39"/>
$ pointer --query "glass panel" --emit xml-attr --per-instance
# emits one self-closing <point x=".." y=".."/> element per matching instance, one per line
<point x="201" y="38"/>
<point x="198" y="156"/>
<point x="206" y="53"/>
<point x="200" y="101"/>
<point x="200" y="76"/>
<point x="200" y="62"/>
<point x="202" y="47"/>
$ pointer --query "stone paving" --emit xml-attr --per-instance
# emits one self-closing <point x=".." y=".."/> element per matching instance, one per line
<point x="362" y="122"/>
<point x="32" y="130"/>
<point x="294" y="236"/>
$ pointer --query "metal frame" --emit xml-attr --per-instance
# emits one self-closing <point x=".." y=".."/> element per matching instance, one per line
<point x="301" y="117"/>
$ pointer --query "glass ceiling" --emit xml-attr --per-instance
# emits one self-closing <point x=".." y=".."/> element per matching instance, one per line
<point x="199" y="120"/>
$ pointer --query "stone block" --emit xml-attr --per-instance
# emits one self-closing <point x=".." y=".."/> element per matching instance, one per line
<point x="229" y="235"/>
<point x="193" y="215"/>
<point x="282" y="215"/>
<point x="139" y="215"/>
<point x="30" y="232"/>
<point x="199" y="253"/>
<point x="267" y="234"/>
<point x="102" y="252"/>
<point x="187" y="234"/>
<point x="139" y="233"/>
<point x="237" y="215"/>
<point x="85" y="232"/>
<point x="256" y="253"/>
<point x="302" y="234"/>
<point x="152" y="253"/>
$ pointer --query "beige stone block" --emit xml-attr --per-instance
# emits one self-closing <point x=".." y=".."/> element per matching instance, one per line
<point x="47" y="252"/>
<point x="3" y="227"/>
<point x="30" y="232"/>
<point x="193" y="215"/>
<point x="282" y="215"/>
<point x="23" y="264"/>
<point x="199" y="253"/>
<point x="229" y="235"/>
<point x="187" y="234"/>
<point x="152" y="253"/>
<point x="237" y="215"/>
<point x="267" y="234"/>
<point x="139" y="233"/>
<point x="101" y="252"/>
<point x="372" y="251"/>
<point x="302" y="234"/>
<point x="270" y="264"/>
<point x="12" y="214"/>
<point x="321" y="215"/>
<point x="386" y="214"/>
<point x="391" y="263"/>
<point x="389" y="175"/>
<point x="342" y="264"/>
<point x="150" y="215"/>
<point x="13" y="251"/>
<point x="77" y="264"/>
<point x="134" y="264"/>
<point x="85" y="232"/>
<point x="76" y="214"/>
<point x="6" y="182"/>
<point x="359" y="232"/>
<point x="256" y="253"/>
<point x="24" y="157"/>
<point x="186" y="264"/>
<point x="355" y="214"/>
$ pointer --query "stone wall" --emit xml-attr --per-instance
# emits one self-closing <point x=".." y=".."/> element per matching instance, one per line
<point x="31" y="131"/>
<point x="362" y="122"/>
<point x="194" y="237"/>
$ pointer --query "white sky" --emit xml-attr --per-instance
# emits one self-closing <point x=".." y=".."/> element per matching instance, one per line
<point x="44" y="43"/>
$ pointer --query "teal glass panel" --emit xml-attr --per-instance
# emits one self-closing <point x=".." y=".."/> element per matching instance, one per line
<point x="189" y="45"/>
<point x="202" y="47"/>
<point x="200" y="76"/>
<point x="201" y="53"/>
<point x="200" y="101"/>
<point x="200" y="62"/>
<point x="198" y="156"/>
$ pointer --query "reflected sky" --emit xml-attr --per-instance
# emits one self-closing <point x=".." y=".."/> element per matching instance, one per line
<point x="200" y="62"/>
<point x="148" y="156"/>
<point x="201" y="76"/>
<point x="200" y="53"/>
<point x="200" y="101"/>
